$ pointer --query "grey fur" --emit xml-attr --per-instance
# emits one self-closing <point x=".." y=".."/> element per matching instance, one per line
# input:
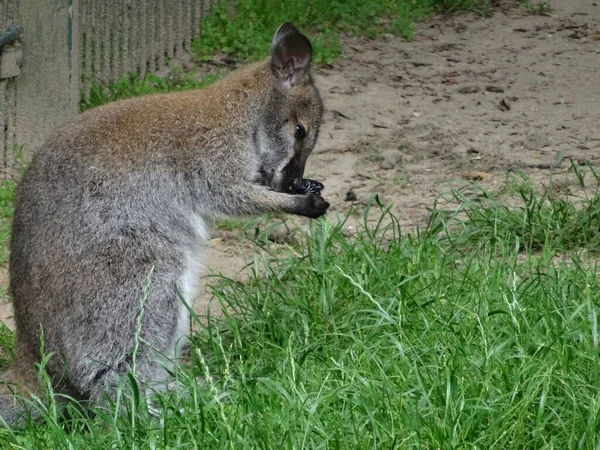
<point x="128" y="189"/>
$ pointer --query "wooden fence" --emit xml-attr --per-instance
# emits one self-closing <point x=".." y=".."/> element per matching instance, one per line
<point x="121" y="36"/>
<point x="66" y="45"/>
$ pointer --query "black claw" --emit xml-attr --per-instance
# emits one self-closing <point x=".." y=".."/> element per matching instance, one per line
<point x="311" y="187"/>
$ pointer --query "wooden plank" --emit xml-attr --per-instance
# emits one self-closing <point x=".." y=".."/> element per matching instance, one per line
<point x="10" y="132"/>
<point x="153" y="44"/>
<point x="188" y="19"/>
<point x="126" y="45"/>
<point x="177" y="5"/>
<point x="117" y="39"/>
<point x="170" y="29"/>
<point x="3" y="122"/>
<point x="84" y="43"/>
<point x="107" y="28"/>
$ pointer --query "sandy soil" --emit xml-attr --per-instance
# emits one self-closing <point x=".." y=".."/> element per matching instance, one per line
<point x="468" y="98"/>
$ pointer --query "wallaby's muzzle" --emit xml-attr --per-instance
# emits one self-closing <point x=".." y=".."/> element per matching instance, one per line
<point x="292" y="175"/>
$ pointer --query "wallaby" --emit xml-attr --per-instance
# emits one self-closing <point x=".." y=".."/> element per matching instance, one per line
<point x="122" y="197"/>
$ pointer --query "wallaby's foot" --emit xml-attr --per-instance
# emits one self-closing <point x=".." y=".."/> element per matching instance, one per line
<point x="175" y="387"/>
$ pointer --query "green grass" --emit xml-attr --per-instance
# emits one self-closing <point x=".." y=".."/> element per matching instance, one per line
<point x="477" y="332"/>
<point x="7" y="202"/>
<point x="8" y="192"/>
<point x="244" y="29"/>
<point x="135" y="85"/>
<point x="541" y="8"/>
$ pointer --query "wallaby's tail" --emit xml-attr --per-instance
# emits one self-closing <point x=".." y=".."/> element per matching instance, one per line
<point x="17" y="383"/>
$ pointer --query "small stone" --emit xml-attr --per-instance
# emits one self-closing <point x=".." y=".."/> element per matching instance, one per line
<point x="389" y="162"/>
<point x="350" y="196"/>
<point x="469" y="90"/>
<point x="475" y="176"/>
<point x="504" y="105"/>
<point x="496" y="89"/>
<point x="536" y="140"/>
<point x="421" y="63"/>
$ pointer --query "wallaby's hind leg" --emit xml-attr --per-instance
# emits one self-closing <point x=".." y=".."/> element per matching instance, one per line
<point x="149" y="374"/>
<point x="150" y="353"/>
<point x="17" y="383"/>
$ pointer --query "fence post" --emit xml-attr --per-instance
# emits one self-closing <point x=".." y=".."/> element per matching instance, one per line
<point x="48" y="90"/>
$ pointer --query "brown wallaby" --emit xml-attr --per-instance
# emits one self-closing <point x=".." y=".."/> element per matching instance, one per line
<point x="121" y="197"/>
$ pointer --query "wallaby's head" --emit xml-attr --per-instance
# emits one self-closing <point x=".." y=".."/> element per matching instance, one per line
<point x="292" y="116"/>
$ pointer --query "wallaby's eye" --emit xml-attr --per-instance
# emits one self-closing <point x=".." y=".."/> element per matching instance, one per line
<point x="300" y="132"/>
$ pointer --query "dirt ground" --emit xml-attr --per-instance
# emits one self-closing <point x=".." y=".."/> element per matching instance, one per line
<point x="468" y="98"/>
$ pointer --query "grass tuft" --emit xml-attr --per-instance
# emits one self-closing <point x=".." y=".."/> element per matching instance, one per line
<point x="135" y="85"/>
<point x="244" y="29"/>
<point x="7" y="203"/>
<point x="538" y="218"/>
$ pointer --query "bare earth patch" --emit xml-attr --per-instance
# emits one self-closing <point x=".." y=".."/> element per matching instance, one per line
<point x="469" y="99"/>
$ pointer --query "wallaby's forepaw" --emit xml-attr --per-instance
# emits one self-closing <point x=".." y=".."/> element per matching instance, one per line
<point x="311" y="187"/>
<point x="316" y="206"/>
<point x="305" y="187"/>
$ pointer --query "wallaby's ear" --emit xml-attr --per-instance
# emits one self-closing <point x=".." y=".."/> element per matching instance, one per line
<point x="291" y="55"/>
